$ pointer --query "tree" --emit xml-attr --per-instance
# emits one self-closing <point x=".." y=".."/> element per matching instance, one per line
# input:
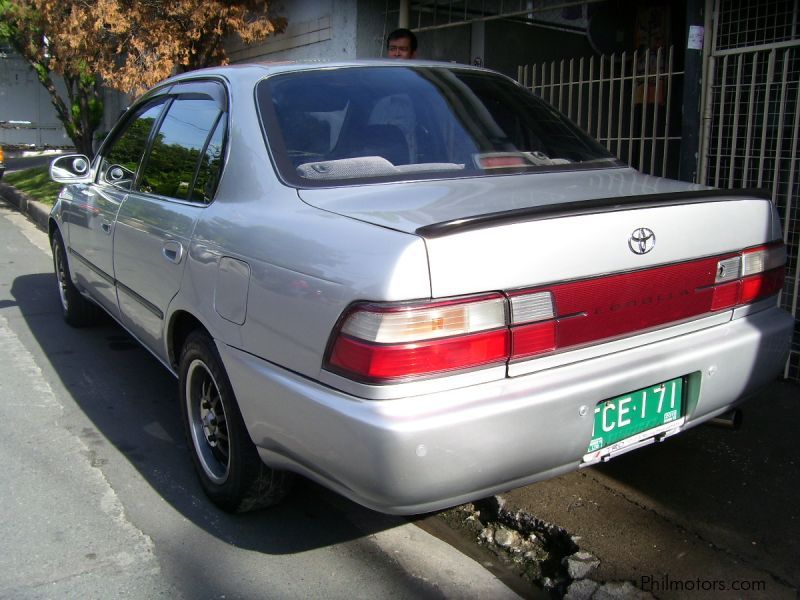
<point x="26" y="30"/>
<point x="125" y="44"/>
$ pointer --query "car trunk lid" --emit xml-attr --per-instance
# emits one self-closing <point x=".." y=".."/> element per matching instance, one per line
<point x="504" y="233"/>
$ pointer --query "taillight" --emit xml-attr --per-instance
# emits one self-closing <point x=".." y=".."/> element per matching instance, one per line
<point x="388" y="342"/>
<point x="752" y="275"/>
<point x="533" y="326"/>
<point x="378" y="343"/>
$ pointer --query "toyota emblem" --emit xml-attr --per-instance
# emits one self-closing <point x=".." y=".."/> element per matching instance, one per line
<point x="642" y="240"/>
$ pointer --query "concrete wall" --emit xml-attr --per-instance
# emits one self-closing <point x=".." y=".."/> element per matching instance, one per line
<point x="24" y="99"/>
<point x="452" y="44"/>
<point x="320" y="30"/>
<point x="316" y="30"/>
<point x="372" y="30"/>
<point x="28" y="118"/>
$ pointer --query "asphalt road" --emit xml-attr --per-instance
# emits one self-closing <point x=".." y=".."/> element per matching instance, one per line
<point x="99" y="499"/>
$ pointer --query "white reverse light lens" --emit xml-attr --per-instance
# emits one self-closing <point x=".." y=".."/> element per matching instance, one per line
<point x="528" y="308"/>
<point x="763" y="260"/>
<point x="417" y="324"/>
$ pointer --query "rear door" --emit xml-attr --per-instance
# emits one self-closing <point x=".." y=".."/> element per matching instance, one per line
<point x="176" y="181"/>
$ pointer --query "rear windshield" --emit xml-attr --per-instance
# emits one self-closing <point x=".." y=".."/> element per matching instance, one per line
<point x="336" y="126"/>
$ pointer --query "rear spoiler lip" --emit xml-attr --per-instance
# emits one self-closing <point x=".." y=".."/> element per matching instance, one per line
<point x="585" y="207"/>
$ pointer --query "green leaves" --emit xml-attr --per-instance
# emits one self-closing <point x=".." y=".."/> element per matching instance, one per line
<point x="42" y="72"/>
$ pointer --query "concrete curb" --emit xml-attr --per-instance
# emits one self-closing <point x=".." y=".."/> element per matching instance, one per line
<point x="35" y="211"/>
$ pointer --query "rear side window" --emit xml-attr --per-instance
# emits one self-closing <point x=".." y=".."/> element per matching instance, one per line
<point x="210" y="166"/>
<point x="184" y="161"/>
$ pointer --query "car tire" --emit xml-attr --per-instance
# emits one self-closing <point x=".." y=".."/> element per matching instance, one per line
<point x="225" y="458"/>
<point x="76" y="310"/>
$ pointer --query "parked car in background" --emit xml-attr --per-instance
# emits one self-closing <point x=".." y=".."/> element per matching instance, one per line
<point x="414" y="283"/>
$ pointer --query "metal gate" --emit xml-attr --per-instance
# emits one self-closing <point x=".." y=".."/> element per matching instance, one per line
<point x="623" y="100"/>
<point x="752" y="119"/>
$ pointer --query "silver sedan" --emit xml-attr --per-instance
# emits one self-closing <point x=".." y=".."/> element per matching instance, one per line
<point x="417" y="284"/>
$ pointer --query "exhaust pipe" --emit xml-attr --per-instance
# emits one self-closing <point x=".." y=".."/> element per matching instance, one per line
<point x="729" y="420"/>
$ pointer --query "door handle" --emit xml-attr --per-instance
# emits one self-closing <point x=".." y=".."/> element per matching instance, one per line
<point x="106" y="226"/>
<point x="172" y="251"/>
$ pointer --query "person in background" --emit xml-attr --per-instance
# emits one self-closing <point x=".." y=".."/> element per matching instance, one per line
<point x="401" y="43"/>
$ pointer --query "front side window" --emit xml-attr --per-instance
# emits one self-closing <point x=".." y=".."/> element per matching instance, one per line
<point x="189" y="140"/>
<point x="330" y="127"/>
<point x="120" y="162"/>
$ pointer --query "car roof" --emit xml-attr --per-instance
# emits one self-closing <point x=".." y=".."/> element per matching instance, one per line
<point x="258" y="70"/>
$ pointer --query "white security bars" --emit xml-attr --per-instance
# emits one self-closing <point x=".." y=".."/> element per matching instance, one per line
<point x="751" y="136"/>
<point x="623" y="100"/>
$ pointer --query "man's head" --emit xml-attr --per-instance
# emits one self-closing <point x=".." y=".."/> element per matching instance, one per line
<point x="401" y="43"/>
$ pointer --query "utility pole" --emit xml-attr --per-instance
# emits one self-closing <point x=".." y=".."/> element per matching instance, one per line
<point x="692" y="89"/>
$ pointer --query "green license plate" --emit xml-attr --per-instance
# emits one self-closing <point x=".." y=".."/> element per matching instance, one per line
<point x="630" y="414"/>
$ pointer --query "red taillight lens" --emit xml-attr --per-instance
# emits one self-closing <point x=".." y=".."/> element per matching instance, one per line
<point x="383" y="363"/>
<point x="381" y="343"/>
<point x="389" y="342"/>
<point x="536" y="338"/>
<point x="762" y="286"/>
<point x="725" y="295"/>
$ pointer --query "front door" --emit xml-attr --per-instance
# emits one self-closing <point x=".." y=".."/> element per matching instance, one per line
<point x="92" y="211"/>
<point x="90" y="216"/>
<point x="155" y="222"/>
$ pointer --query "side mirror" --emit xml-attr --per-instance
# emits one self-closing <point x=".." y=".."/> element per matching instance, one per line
<point x="119" y="176"/>
<point x="72" y="168"/>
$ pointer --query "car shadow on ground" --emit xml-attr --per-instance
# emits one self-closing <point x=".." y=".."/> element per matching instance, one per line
<point x="735" y="488"/>
<point x="131" y="400"/>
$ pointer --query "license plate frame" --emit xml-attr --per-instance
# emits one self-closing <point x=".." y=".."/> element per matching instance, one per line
<point x="659" y="411"/>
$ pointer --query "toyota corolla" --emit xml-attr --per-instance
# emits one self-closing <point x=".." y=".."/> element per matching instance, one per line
<point x="416" y="284"/>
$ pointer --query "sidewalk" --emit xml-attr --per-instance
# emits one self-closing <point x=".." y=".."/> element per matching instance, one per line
<point x="34" y="210"/>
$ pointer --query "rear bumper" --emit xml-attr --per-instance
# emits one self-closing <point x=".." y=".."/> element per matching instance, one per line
<point x="426" y="452"/>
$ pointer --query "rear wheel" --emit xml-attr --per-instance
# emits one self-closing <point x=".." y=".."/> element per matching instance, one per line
<point x="77" y="310"/>
<point x="225" y="458"/>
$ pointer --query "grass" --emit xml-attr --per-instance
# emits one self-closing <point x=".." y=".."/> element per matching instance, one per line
<point x="36" y="183"/>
